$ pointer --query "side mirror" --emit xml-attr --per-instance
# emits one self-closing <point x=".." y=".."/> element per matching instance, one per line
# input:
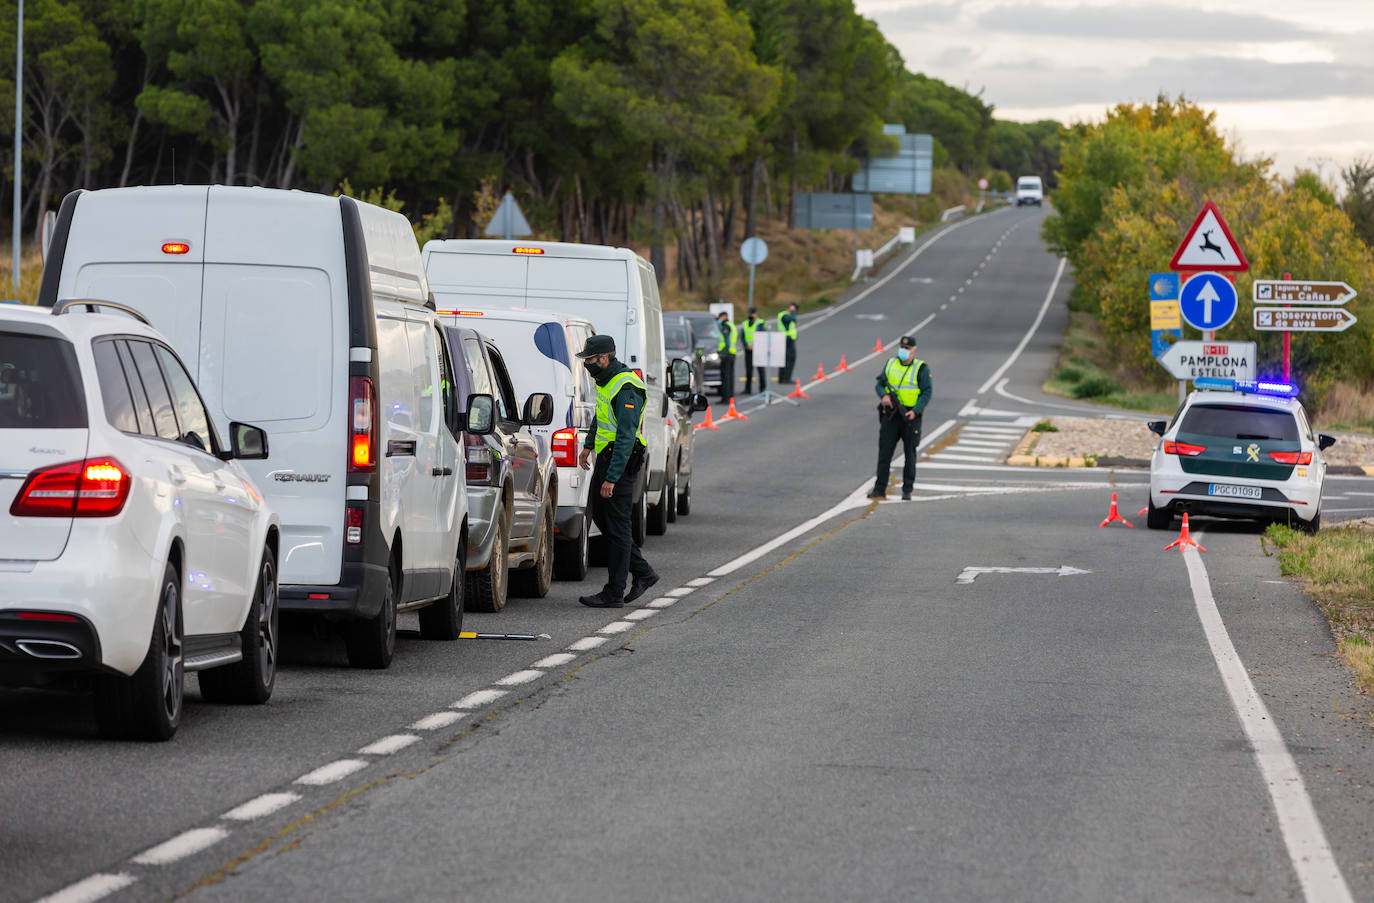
<point x="679" y="379"/>
<point x="481" y="417"/>
<point x="1324" y="441"/>
<point x="538" y="409"/>
<point x="247" y="443"/>
<point x="1158" y="427"/>
<point x="700" y="402"/>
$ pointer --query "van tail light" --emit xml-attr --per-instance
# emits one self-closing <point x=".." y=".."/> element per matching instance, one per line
<point x="1292" y="457"/>
<point x="362" y="442"/>
<point x="353" y="526"/>
<point x="565" y="448"/>
<point x="1183" y="448"/>
<point x="638" y="372"/>
<point x="95" y="487"/>
<point x="478" y="460"/>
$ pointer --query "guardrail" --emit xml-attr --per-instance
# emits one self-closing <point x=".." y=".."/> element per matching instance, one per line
<point x="865" y="259"/>
<point x="951" y="213"/>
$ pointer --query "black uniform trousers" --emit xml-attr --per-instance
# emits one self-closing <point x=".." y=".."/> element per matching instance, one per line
<point x="892" y="430"/>
<point x="727" y="376"/>
<point x="749" y="374"/>
<point x="612" y="518"/>
<point x="789" y="362"/>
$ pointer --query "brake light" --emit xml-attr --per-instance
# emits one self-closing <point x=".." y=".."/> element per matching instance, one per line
<point x="353" y="526"/>
<point x="462" y="313"/>
<point x="527" y="250"/>
<point x="565" y="448"/>
<point x="175" y="247"/>
<point x="638" y="372"/>
<point x="362" y="453"/>
<point x="1292" y="457"/>
<point x="477" y="459"/>
<point x="95" y="487"/>
<point x="1183" y="448"/>
<point x="45" y="616"/>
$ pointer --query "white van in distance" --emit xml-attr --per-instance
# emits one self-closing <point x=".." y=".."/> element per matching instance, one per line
<point x="311" y="317"/>
<point x="1029" y="190"/>
<point x="613" y="288"/>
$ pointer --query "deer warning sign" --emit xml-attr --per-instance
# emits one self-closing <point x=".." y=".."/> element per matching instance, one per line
<point x="1209" y="245"/>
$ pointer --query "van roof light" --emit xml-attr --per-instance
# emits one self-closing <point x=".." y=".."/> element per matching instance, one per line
<point x="175" y="247"/>
<point x="527" y="250"/>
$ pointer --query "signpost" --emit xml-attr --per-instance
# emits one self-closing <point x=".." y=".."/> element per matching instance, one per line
<point x="1303" y="319"/>
<point x="1227" y="360"/>
<point x="1280" y="291"/>
<point x="753" y="251"/>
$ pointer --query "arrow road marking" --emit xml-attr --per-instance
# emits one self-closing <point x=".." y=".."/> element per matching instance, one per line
<point x="971" y="573"/>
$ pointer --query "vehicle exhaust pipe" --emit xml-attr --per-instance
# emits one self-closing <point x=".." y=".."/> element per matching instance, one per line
<point x="48" y="650"/>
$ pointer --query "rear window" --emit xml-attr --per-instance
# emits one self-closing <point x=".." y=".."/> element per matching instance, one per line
<point x="1235" y="421"/>
<point x="675" y="337"/>
<point x="40" y="383"/>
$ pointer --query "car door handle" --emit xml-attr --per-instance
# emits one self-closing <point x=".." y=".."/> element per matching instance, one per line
<point x="441" y="471"/>
<point x="400" y="448"/>
<point x="176" y="476"/>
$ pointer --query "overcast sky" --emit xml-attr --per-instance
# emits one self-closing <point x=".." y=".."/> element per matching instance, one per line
<point x="1289" y="80"/>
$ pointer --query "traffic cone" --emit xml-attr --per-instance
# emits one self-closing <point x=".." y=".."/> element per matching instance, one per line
<point x="1114" y="516"/>
<point x="797" y="392"/>
<point x="878" y="347"/>
<point x="732" y="414"/>
<point x="1184" y="539"/>
<point x="1143" y="511"/>
<point x="708" y="423"/>
<point x="843" y="367"/>
<point x="820" y="375"/>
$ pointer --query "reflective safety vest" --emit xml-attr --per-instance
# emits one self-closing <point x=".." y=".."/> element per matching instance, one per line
<point x="788" y="329"/>
<point x="605" y="417"/>
<point x="751" y="326"/>
<point x="902" y="378"/>
<point x="732" y="332"/>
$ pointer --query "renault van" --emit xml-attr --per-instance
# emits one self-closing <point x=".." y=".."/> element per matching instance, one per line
<point x="613" y="288"/>
<point x="311" y="317"/>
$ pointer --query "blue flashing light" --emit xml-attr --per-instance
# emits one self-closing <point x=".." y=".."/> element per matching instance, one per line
<point x="1248" y="386"/>
<point x="1215" y="382"/>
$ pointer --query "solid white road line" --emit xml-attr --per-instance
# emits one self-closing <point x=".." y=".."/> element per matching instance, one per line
<point x="1311" y="855"/>
<point x="435" y="721"/>
<point x="263" y="805"/>
<point x="478" y="698"/>
<point x="520" y="677"/>
<point x="184" y="844"/>
<point x="1025" y="340"/>
<point x="88" y="890"/>
<point x="587" y="642"/>
<point x="388" y="745"/>
<point x="553" y="661"/>
<point x="334" y="771"/>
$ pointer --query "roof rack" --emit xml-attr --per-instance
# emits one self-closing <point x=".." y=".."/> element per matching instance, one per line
<point x="93" y="305"/>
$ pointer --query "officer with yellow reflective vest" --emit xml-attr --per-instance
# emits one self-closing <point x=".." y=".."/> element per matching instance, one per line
<point x="755" y="324"/>
<point x="618" y="443"/>
<point x="729" y="339"/>
<point x="904" y="387"/>
<point x="787" y="325"/>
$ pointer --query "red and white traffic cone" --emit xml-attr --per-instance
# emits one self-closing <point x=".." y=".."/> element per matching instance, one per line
<point x="709" y="423"/>
<point x="1114" y="516"/>
<point x="732" y="414"/>
<point x="797" y="392"/>
<point x="820" y="375"/>
<point x="843" y="367"/>
<point x="1184" y="538"/>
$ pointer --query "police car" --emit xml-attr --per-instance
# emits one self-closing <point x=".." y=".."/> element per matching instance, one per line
<point x="1238" y="449"/>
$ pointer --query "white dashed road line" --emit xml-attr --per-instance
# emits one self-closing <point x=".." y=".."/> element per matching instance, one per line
<point x="520" y="677"/>
<point x="478" y="698"/>
<point x="435" y="721"/>
<point x="388" y="745"/>
<point x="334" y="771"/>
<point x="616" y="627"/>
<point x="586" y="643"/>
<point x="185" y="844"/>
<point x="555" y="660"/>
<point x="88" y="890"/>
<point x="263" y="805"/>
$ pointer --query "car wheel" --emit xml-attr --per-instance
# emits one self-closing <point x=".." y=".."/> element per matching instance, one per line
<point x="371" y="642"/>
<point x="443" y="619"/>
<point x="1158" y="518"/>
<point x="487" y="587"/>
<point x="534" y="581"/>
<point x="684" y="500"/>
<point x="1309" y="526"/>
<point x="147" y="705"/>
<point x="670" y="500"/>
<point x="657" y="524"/>
<point x="250" y="680"/>
<point x="639" y="518"/>
<point x="572" y="558"/>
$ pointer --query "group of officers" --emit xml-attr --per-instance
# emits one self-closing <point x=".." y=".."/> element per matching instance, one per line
<point x="615" y="448"/>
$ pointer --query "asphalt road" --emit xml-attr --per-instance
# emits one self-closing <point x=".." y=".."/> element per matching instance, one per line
<point x="849" y="713"/>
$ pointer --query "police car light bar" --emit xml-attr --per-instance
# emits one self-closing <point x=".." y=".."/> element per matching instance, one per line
<point x="1248" y="386"/>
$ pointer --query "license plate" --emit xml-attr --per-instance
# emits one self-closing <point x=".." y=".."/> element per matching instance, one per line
<point x="1232" y="491"/>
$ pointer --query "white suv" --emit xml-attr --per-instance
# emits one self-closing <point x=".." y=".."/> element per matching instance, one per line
<point x="132" y="546"/>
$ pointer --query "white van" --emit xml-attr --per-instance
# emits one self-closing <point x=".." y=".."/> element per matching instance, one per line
<point x="539" y="347"/>
<point x="309" y="316"/>
<point x="613" y="288"/>
<point x="1029" y="190"/>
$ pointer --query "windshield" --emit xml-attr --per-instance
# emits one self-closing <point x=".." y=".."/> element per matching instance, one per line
<point x="1235" y="421"/>
<point x="40" y="385"/>
<point x="675" y="337"/>
<point x="1032" y="184"/>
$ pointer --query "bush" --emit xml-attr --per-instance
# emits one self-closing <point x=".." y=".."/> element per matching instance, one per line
<point x="1096" y="387"/>
<point x="1044" y="426"/>
<point x="1069" y="374"/>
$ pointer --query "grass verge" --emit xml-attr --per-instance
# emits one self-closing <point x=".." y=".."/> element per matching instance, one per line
<point x="1088" y="370"/>
<point x="1336" y="566"/>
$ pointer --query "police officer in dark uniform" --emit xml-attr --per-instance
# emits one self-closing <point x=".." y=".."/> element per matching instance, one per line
<point x="904" y="387"/>
<point x="729" y="338"/>
<point x="787" y="325"/>
<point x="752" y="326"/>
<point x="618" y="443"/>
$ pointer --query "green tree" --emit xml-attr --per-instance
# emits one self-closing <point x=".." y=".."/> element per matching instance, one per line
<point x="1358" y="202"/>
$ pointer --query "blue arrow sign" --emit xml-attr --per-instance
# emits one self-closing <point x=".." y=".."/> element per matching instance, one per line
<point x="1207" y="301"/>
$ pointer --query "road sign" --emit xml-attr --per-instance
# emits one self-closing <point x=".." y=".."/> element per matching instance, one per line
<point x="982" y="184"/>
<point x="1209" y="245"/>
<point x="1227" y="360"/>
<point x="754" y="251"/>
<point x="1303" y="319"/>
<point x="816" y="210"/>
<point x="1283" y="291"/>
<point x="1207" y="301"/>
<point x="1164" y="286"/>
<point x="509" y="221"/>
<point x="1164" y="315"/>
<point x="908" y="171"/>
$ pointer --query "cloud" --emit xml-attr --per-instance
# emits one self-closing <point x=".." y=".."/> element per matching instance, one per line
<point x="1164" y="23"/>
<point x="954" y="57"/>
<point x="915" y="16"/>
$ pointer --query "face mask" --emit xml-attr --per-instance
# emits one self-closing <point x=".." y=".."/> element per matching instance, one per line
<point x="904" y="354"/>
<point x="594" y="368"/>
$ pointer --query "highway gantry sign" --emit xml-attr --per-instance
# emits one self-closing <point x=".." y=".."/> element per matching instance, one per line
<point x="1303" y="319"/>
<point x="1284" y="291"/>
<point x="1207" y="301"/>
<point x="1209" y="245"/>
